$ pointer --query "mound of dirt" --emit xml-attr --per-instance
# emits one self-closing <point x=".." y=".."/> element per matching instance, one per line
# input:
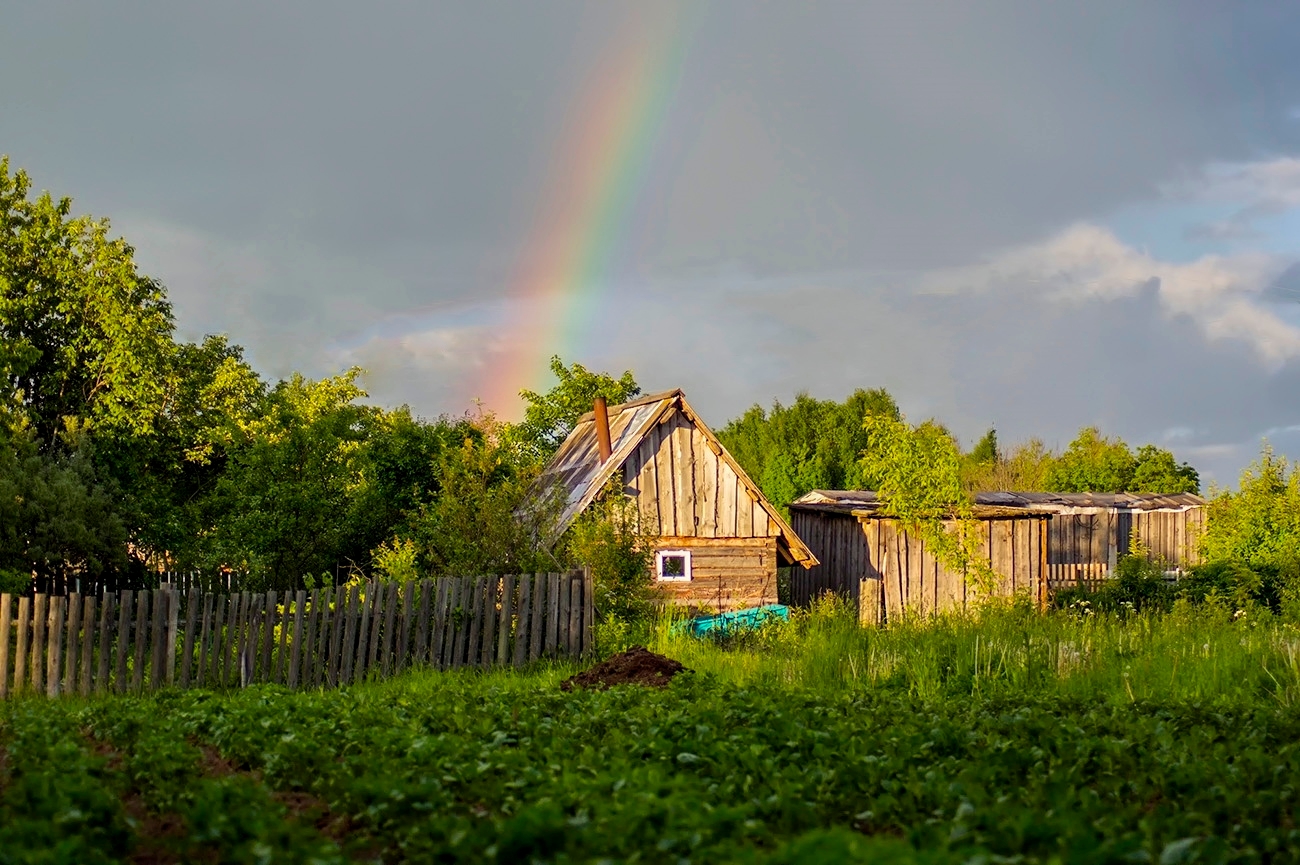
<point x="637" y="666"/>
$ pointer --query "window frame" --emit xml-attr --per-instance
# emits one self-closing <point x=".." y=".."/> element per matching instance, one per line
<point x="660" y="555"/>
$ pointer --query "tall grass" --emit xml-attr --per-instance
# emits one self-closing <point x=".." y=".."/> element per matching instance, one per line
<point x="1189" y="654"/>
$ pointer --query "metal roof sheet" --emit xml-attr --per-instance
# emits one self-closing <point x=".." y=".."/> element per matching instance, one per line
<point x="846" y="501"/>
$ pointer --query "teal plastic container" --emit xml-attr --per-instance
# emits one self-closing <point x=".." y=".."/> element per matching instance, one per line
<point x="737" y="620"/>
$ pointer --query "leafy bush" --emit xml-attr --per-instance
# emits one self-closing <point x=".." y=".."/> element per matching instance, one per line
<point x="608" y="538"/>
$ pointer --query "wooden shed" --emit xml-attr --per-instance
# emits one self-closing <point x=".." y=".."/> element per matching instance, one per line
<point x="1090" y="532"/>
<point x="872" y="560"/>
<point x="719" y="541"/>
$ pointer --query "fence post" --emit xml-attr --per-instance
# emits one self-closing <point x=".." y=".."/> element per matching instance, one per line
<point x="87" y="642"/>
<point x="53" y="669"/>
<point x="40" y="608"/>
<point x="6" y="627"/>
<point x="588" y="613"/>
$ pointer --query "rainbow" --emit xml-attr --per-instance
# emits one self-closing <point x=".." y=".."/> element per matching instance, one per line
<point x="596" y="179"/>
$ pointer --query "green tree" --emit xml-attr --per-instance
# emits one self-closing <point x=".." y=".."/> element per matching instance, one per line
<point x="1260" y="523"/>
<point x="488" y="517"/>
<point x="284" y="506"/>
<point x="1092" y="463"/>
<point x="920" y="483"/>
<point x="810" y="444"/>
<point x="1157" y="472"/>
<point x="550" y="417"/>
<point x="85" y="338"/>
<point x="57" y="519"/>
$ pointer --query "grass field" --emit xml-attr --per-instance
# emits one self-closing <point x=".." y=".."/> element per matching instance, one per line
<point x="1003" y="737"/>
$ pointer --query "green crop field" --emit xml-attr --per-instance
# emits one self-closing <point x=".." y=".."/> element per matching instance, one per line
<point x="1011" y="737"/>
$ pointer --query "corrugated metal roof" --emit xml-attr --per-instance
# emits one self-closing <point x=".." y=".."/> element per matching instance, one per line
<point x="576" y="466"/>
<point x="848" y="501"/>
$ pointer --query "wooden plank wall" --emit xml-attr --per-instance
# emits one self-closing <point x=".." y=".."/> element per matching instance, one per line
<point x="137" y="641"/>
<point x="914" y="580"/>
<point x="685" y="487"/>
<point x="1102" y="536"/>
<point x="844" y="563"/>
<point x="887" y="571"/>
<point x="726" y="573"/>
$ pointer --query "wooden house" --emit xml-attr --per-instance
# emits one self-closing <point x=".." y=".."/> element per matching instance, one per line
<point x="1036" y="542"/>
<point x="869" y="558"/>
<point x="718" y="540"/>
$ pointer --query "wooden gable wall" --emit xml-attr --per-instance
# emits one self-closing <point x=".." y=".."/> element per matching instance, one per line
<point x="687" y="489"/>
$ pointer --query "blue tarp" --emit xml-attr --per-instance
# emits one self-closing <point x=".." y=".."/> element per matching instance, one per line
<point x="738" y="620"/>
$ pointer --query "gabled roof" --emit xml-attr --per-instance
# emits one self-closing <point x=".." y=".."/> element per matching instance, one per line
<point x="577" y="469"/>
<point x="866" y="502"/>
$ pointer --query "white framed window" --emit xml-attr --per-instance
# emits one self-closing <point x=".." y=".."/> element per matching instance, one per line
<point x="673" y="566"/>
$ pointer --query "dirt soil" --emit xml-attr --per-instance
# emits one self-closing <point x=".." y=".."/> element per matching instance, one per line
<point x="637" y="666"/>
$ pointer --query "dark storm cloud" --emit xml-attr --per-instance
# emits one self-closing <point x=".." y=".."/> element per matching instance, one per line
<point x="334" y="183"/>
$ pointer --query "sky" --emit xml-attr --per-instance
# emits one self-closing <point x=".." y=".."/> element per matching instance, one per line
<point x="1022" y="215"/>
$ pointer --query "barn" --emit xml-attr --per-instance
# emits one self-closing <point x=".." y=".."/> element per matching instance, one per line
<point x="1037" y="542"/>
<point x="718" y="540"/>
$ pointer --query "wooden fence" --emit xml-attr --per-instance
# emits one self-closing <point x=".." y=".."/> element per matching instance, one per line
<point x="1066" y="576"/>
<point x="133" y="641"/>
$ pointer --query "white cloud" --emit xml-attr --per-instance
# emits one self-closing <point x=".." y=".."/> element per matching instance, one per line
<point x="1222" y="294"/>
<point x="1255" y="190"/>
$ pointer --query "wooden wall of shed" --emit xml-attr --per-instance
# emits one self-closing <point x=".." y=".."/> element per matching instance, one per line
<point x="913" y="579"/>
<point x="726" y="573"/>
<point x="1100" y="536"/>
<point x="885" y="570"/>
<point x="840" y="545"/>
<point x="687" y="489"/>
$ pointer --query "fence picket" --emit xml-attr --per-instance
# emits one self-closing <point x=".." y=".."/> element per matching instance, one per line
<point x="157" y="665"/>
<point x="40" y="609"/>
<point x="489" y="649"/>
<point x="573" y="615"/>
<point x="295" y="652"/>
<point x="553" y="625"/>
<point x="6" y="629"/>
<point x="439" y="637"/>
<point x="589" y="613"/>
<point x="422" y="624"/>
<point x="537" y="628"/>
<point x="20" y="660"/>
<point x="87" y="642"/>
<point x="321" y="640"/>
<point x="205" y="636"/>
<point x="54" y="655"/>
<point x="525" y="614"/>
<point x="562" y="620"/>
<point x="169" y="646"/>
<point x="209" y="645"/>
<point x="226" y="638"/>
<point x="192" y="600"/>
<point x="376" y="618"/>
<point x="475" y="621"/>
<point x="313" y="613"/>
<point x="72" y="640"/>
<point x="141" y="630"/>
<point x="457" y="626"/>
<point x="404" y="634"/>
<point x="507" y="613"/>
<point x="284" y="641"/>
<point x="268" y="636"/>
<point x="348" y="651"/>
<point x="105" y="644"/>
<point x="390" y="615"/>
<point x="336" y="635"/>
